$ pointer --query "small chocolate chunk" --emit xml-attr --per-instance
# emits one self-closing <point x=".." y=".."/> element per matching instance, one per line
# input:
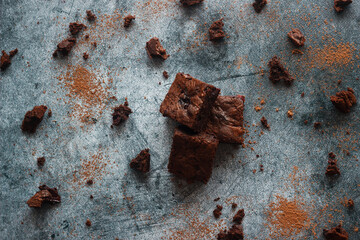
<point x="41" y="161"/>
<point x="239" y="216"/>
<point x="75" y="28"/>
<point x="65" y="46"/>
<point x="121" y="113"/>
<point x="336" y="233"/>
<point x="85" y="55"/>
<point x="332" y="168"/>
<point x="165" y="74"/>
<point x="216" y="31"/>
<point x="142" y="161"/>
<point x="350" y="203"/>
<point x="235" y="233"/>
<point x="296" y="37"/>
<point x="5" y="60"/>
<point x="340" y="5"/>
<point x="217" y="212"/>
<point x="233" y="205"/>
<point x="278" y="72"/>
<point x="127" y="20"/>
<point x="88" y="223"/>
<point x="265" y="123"/>
<point x="317" y="124"/>
<point x="190" y="2"/>
<point x="155" y="49"/>
<point x="259" y="5"/>
<point x="33" y="118"/>
<point x="216" y="199"/>
<point x="90" y="16"/>
<point x="45" y="195"/>
<point x="344" y="100"/>
<point x="90" y="182"/>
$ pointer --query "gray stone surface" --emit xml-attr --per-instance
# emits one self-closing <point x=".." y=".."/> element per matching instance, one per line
<point x="130" y="206"/>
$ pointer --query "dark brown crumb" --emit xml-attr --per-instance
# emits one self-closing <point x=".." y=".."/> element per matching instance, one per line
<point x="259" y="5"/>
<point x="306" y="122"/>
<point x="332" y="168"/>
<point x="278" y="72"/>
<point x="235" y="233"/>
<point x="216" y="31"/>
<point x="33" y="118"/>
<point x="127" y="20"/>
<point x="90" y="16"/>
<point x="75" y="28"/>
<point x="190" y="2"/>
<point x="91" y="197"/>
<point x="332" y="155"/>
<point x="261" y="167"/>
<point x="45" y="195"/>
<point x="233" y="205"/>
<point x="121" y="113"/>
<point x="239" y="216"/>
<point x="336" y="233"/>
<point x="5" y="60"/>
<point x="165" y="74"/>
<point x="141" y="162"/>
<point x="85" y="55"/>
<point x="296" y="37"/>
<point x="339" y="5"/>
<point x="155" y="49"/>
<point x="216" y="199"/>
<point x="350" y="203"/>
<point x="344" y="100"/>
<point x="90" y="182"/>
<point x="49" y="113"/>
<point x="317" y="124"/>
<point x="88" y="223"/>
<point x="64" y="47"/>
<point x="217" y="212"/>
<point x="41" y="161"/>
<point x="264" y="122"/>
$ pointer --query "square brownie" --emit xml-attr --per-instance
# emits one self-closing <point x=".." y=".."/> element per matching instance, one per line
<point x="192" y="155"/>
<point x="189" y="101"/>
<point x="226" y="120"/>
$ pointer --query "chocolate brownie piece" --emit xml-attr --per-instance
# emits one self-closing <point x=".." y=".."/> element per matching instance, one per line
<point x="155" y="49"/>
<point x="226" y="119"/>
<point x="296" y="37"/>
<point x="192" y="155"/>
<point x="259" y="5"/>
<point x="217" y="212"/>
<point x="33" y="118"/>
<point x="344" y="100"/>
<point x="340" y="5"/>
<point x="65" y="46"/>
<point x="142" y="161"/>
<point x="121" y="113"/>
<point x="278" y="72"/>
<point x="239" y="216"/>
<point x="332" y="168"/>
<point x="5" y="60"/>
<point x="75" y="28"/>
<point x="235" y="233"/>
<point x="166" y="74"/>
<point x="336" y="233"/>
<point x="85" y="55"/>
<point x="90" y="16"/>
<point x="41" y="161"/>
<point x="190" y="2"/>
<point x="189" y="101"/>
<point x="45" y="195"/>
<point x="127" y="20"/>
<point x="88" y="223"/>
<point x="216" y="31"/>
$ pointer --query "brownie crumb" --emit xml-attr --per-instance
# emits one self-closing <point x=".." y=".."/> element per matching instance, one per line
<point x="216" y="199"/>
<point x="265" y="123"/>
<point x="239" y="216"/>
<point x="45" y="195"/>
<point x="332" y="168"/>
<point x="65" y="46"/>
<point x="233" y="205"/>
<point x="217" y="212"/>
<point x="41" y="161"/>
<point x="85" y="55"/>
<point x="344" y="100"/>
<point x="261" y="167"/>
<point x="90" y="16"/>
<point x="91" y="197"/>
<point x="49" y="113"/>
<point x="235" y="232"/>
<point x="121" y="113"/>
<point x="290" y="113"/>
<point x="340" y="5"/>
<point x="317" y="125"/>
<point x="142" y="161"/>
<point x="5" y="60"/>
<point x="350" y="203"/>
<point x="259" y="5"/>
<point x="337" y="233"/>
<point x="296" y="37"/>
<point x="190" y="2"/>
<point x="75" y="28"/>
<point x="165" y="74"/>
<point x="278" y="72"/>
<point x="88" y="223"/>
<point x="90" y="182"/>
<point x="306" y="122"/>
<point x="155" y="49"/>
<point x="216" y="31"/>
<point x="127" y="20"/>
<point x="33" y="118"/>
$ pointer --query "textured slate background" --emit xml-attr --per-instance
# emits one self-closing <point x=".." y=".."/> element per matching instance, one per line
<point x="125" y="203"/>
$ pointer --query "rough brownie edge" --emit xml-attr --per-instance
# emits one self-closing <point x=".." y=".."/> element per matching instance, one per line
<point x="336" y="233"/>
<point x="141" y="162"/>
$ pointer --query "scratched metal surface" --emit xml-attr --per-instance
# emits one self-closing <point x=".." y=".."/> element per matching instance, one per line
<point x="130" y="206"/>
